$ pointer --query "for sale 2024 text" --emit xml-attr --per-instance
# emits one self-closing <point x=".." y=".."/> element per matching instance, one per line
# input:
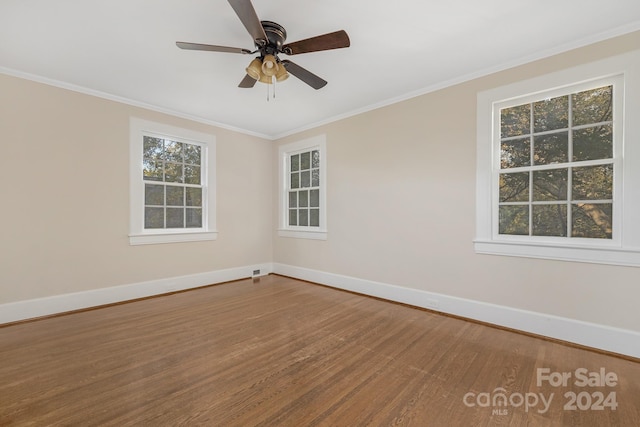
<point x="595" y="399"/>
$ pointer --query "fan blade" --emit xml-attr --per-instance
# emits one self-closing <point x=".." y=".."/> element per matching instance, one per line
<point x="210" y="47"/>
<point x="335" y="40"/>
<point x="247" y="82"/>
<point x="247" y="14"/>
<point x="305" y="75"/>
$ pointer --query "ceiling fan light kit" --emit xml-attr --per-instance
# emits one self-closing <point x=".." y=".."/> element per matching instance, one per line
<point x="265" y="79"/>
<point x="269" y="65"/>
<point x="282" y="74"/>
<point x="254" y="70"/>
<point x="268" y="38"/>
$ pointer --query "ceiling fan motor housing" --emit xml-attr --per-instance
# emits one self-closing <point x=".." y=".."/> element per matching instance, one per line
<point x="276" y="35"/>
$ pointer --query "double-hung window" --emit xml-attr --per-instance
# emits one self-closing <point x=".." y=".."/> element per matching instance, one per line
<point x="171" y="186"/>
<point x="558" y="160"/>
<point x="557" y="165"/>
<point x="302" y="189"/>
<point x="173" y="183"/>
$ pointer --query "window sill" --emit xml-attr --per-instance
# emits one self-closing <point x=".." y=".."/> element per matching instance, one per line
<point x="303" y="234"/>
<point x="575" y="253"/>
<point x="175" y="237"/>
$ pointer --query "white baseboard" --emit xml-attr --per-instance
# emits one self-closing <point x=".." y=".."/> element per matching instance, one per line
<point x="594" y="335"/>
<point x="616" y="340"/>
<point x="33" y="308"/>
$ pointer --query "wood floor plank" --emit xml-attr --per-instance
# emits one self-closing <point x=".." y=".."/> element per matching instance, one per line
<point x="281" y="352"/>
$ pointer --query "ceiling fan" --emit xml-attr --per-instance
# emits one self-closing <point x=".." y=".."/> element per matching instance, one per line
<point x="269" y="38"/>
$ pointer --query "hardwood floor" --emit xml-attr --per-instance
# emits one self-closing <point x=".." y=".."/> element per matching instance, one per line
<point x="281" y="352"/>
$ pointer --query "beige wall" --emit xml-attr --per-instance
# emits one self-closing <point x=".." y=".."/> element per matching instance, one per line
<point x="64" y="180"/>
<point x="401" y="208"/>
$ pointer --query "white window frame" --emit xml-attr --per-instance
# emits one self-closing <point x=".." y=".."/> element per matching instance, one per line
<point x="624" y="248"/>
<point x="138" y="235"/>
<point x="284" y="152"/>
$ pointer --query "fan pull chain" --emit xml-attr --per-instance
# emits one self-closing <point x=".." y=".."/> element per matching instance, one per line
<point x="273" y="82"/>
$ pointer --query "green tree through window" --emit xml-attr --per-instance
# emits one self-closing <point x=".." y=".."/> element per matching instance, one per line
<point x="173" y="189"/>
<point x="556" y="166"/>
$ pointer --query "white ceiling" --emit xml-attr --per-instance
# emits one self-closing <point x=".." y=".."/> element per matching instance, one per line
<point x="125" y="50"/>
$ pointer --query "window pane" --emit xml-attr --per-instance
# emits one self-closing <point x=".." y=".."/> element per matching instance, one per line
<point x="515" y="153"/>
<point x="514" y="187"/>
<point x="194" y="218"/>
<point x="305" y="179"/>
<point x="593" y="183"/>
<point x="548" y="149"/>
<point x="593" y="106"/>
<point x="514" y="220"/>
<point x="173" y="172"/>
<point x="295" y="180"/>
<point x="314" y="219"/>
<point x="592" y="220"/>
<point x="303" y="187"/>
<point x="154" y="194"/>
<point x="314" y="201"/>
<point x="173" y="151"/>
<point x="192" y="175"/>
<point x="175" y="196"/>
<point x="593" y="143"/>
<point x="192" y="154"/>
<point x="169" y="161"/>
<point x="153" y="217"/>
<point x="551" y="114"/>
<point x="152" y="148"/>
<point x="295" y="162"/>
<point x="303" y="199"/>
<point x="550" y="184"/>
<point x="175" y="217"/>
<point x="305" y="160"/>
<point x="515" y="121"/>
<point x="303" y="217"/>
<point x="194" y="196"/>
<point x="152" y="169"/>
<point x="560" y="152"/>
<point x="550" y="220"/>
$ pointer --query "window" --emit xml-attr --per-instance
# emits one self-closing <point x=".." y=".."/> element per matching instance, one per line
<point x="172" y="189"/>
<point x="557" y="166"/>
<point x="172" y="175"/>
<point x="302" y="190"/>
<point x="555" y="163"/>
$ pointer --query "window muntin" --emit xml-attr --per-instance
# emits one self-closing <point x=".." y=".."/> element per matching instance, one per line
<point x="623" y="248"/>
<point x="172" y="174"/>
<point x="556" y="166"/>
<point x="304" y="189"/>
<point x="172" y="184"/>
